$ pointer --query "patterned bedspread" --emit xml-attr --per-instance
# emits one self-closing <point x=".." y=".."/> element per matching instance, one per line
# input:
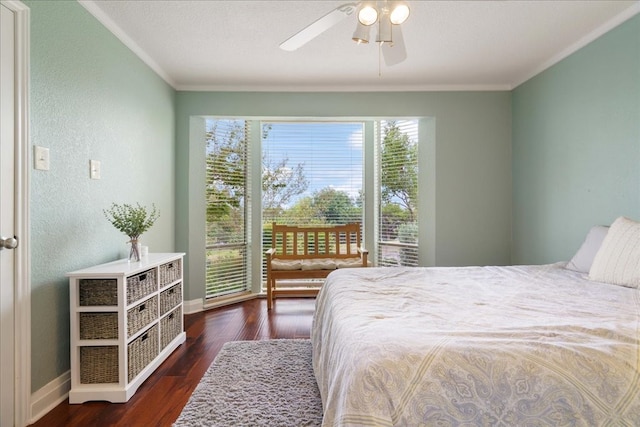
<point x="476" y="346"/>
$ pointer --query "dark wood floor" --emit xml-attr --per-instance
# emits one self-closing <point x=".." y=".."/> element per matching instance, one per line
<point x="159" y="401"/>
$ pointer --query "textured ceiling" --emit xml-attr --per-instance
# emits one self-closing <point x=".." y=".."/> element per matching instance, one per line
<point x="451" y="45"/>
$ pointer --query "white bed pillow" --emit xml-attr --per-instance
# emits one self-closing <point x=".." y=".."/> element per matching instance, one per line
<point x="618" y="260"/>
<point x="583" y="259"/>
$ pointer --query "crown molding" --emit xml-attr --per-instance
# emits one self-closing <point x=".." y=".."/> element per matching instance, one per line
<point x="344" y="88"/>
<point x="93" y="9"/>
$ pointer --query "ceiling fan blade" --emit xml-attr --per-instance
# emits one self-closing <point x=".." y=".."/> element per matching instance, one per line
<point x="318" y="27"/>
<point x="394" y="53"/>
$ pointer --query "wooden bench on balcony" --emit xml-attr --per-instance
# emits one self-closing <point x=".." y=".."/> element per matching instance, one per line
<point x="311" y="253"/>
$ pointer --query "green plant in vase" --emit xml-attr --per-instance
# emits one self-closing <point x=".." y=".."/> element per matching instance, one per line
<point x="132" y="221"/>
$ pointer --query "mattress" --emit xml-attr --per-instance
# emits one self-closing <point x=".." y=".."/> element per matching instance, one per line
<point x="511" y="346"/>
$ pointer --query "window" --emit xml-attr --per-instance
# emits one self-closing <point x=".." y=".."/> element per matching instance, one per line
<point x="228" y="207"/>
<point x="397" y="186"/>
<point x="310" y="173"/>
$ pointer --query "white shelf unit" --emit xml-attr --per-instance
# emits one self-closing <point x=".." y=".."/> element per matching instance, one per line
<point x="126" y="319"/>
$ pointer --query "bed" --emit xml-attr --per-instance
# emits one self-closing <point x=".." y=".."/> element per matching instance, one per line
<point x="472" y="346"/>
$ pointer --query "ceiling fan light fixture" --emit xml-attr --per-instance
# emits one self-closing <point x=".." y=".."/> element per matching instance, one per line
<point x="399" y="13"/>
<point x="367" y="14"/>
<point x="361" y="34"/>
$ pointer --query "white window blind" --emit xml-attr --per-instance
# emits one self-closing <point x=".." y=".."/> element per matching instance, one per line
<point x="228" y="207"/>
<point x="397" y="186"/>
<point x="312" y="174"/>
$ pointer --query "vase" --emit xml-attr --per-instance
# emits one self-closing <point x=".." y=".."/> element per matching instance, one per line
<point x="134" y="250"/>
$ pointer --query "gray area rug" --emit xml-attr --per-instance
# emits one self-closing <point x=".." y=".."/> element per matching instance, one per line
<point x="257" y="383"/>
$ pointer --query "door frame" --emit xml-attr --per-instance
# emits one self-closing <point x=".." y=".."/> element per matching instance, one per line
<point x="22" y="276"/>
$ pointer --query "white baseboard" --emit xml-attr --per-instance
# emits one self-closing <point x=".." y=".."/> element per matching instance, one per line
<point x="228" y="300"/>
<point x="197" y="305"/>
<point x="192" y="306"/>
<point x="49" y="396"/>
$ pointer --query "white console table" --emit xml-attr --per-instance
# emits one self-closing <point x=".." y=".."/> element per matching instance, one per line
<point x="126" y="319"/>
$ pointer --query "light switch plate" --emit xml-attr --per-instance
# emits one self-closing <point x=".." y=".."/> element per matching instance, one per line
<point x="40" y="158"/>
<point x="94" y="169"/>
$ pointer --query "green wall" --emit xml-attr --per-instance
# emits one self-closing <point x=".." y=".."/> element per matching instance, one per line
<point x="471" y="180"/>
<point x="91" y="98"/>
<point x="576" y="147"/>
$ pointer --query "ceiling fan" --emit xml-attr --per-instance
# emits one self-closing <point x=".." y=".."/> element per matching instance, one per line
<point x="388" y="15"/>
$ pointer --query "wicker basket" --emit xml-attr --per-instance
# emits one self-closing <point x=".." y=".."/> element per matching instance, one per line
<point x="142" y="351"/>
<point x="170" y="298"/>
<point x="99" y="365"/>
<point x="98" y="326"/>
<point x="98" y="292"/>
<point x="170" y="272"/>
<point x="170" y="327"/>
<point x="141" y="315"/>
<point x="141" y="285"/>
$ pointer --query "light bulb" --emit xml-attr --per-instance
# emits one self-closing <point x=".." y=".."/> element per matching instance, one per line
<point x="399" y="14"/>
<point x="367" y="15"/>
